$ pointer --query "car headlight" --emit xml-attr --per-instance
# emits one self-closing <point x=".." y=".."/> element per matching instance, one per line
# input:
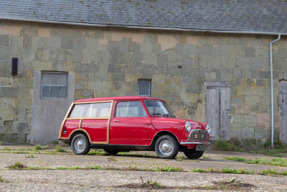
<point x="187" y="126"/>
<point x="208" y="128"/>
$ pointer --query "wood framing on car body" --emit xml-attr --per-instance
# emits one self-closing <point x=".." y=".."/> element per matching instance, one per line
<point x="131" y="123"/>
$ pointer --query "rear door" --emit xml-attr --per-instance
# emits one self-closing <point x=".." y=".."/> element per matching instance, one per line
<point x="130" y="124"/>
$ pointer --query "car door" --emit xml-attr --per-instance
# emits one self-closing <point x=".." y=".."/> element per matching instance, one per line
<point x="130" y="124"/>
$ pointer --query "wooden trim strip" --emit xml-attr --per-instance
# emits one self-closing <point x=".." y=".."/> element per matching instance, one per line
<point x="63" y="122"/>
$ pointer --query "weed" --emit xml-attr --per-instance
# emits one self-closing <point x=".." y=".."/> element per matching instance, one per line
<point x="112" y="159"/>
<point x="38" y="147"/>
<point x="235" y="171"/>
<point x="169" y="169"/>
<point x="180" y="158"/>
<point x="206" y="158"/>
<point x="273" y="162"/>
<point x="3" y="180"/>
<point x="17" y="165"/>
<point x="30" y="156"/>
<point x="6" y="149"/>
<point x="60" y="150"/>
<point x="150" y="184"/>
<point x="200" y="170"/>
<point x="97" y="152"/>
<point x="226" y="146"/>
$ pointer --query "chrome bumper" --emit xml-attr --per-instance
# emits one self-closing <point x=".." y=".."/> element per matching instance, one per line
<point x="194" y="143"/>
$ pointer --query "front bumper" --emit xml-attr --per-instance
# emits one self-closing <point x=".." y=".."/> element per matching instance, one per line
<point x="194" y="143"/>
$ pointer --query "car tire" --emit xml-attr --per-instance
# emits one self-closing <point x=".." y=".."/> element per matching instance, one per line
<point x="80" y="144"/>
<point x="166" y="147"/>
<point x="192" y="154"/>
<point x="111" y="152"/>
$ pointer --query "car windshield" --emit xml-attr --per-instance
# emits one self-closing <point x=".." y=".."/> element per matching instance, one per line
<point x="158" y="108"/>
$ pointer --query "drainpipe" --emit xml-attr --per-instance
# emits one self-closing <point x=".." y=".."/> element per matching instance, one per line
<point x="271" y="85"/>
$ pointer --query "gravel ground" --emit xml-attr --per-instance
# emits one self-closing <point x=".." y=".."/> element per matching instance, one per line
<point x="123" y="180"/>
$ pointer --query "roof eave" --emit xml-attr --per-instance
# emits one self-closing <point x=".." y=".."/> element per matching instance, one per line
<point x="145" y="27"/>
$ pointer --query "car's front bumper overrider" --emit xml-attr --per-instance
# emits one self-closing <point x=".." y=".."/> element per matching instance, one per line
<point x="195" y="143"/>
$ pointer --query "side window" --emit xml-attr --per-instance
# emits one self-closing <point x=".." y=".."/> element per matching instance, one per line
<point x="130" y="109"/>
<point x="100" y="110"/>
<point x="80" y="111"/>
<point x="94" y="110"/>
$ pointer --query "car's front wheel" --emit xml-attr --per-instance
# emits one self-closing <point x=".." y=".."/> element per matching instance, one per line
<point x="80" y="144"/>
<point x="192" y="154"/>
<point x="166" y="147"/>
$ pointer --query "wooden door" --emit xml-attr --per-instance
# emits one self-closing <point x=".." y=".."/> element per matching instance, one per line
<point x="283" y="111"/>
<point x="218" y="111"/>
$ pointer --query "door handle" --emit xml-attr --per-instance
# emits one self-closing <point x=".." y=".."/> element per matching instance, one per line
<point x="116" y="120"/>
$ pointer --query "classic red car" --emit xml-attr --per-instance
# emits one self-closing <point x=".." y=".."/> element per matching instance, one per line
<point x="128" y="123"/>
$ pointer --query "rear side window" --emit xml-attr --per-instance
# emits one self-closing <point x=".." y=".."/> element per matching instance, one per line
<point x="93" y="110"/>
<point x="130" y="109"/>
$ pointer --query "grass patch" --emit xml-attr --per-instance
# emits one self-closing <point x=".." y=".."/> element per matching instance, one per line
<point x="39" y="147"/>
<point x="60" y="149"/>
<point x="150" y="184"/>
<point x="30" y="156"/>
<point x="3" y="180"/>
<point x="97" y="152"/>
<point x="112" y="159"/>
<point x="180" y="158"/>
<point x="169" y="169"/>
<point x="18" y="166"/>
<point x="273" y="162"/>
<point x="223" y="145"/>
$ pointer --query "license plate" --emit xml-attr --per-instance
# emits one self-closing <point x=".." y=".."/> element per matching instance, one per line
<point x="200" y="148"/>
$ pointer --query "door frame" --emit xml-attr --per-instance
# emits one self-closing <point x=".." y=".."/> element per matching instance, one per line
<point x="220" y="85"/>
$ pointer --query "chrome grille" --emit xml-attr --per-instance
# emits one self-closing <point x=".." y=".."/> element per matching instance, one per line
<point x="198" y="135"/>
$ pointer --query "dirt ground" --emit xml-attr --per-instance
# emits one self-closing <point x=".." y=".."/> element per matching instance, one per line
<point x="64" y="171"/>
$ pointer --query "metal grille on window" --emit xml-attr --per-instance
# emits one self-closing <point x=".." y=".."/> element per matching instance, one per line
<point x="144" y="87"/>
<point x="54" y="85"/>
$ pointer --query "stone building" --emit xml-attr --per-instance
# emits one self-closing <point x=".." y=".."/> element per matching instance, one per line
<point x="210" y="60"/>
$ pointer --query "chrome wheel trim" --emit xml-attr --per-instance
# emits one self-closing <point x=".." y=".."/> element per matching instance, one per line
<point x="80" y="145"/>
<point x="166" y="147"/>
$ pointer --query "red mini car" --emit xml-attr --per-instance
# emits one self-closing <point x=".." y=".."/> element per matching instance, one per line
<point x="118" y="124"/>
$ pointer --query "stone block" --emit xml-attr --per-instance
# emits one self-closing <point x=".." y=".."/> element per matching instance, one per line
<point x="118" y="77"/>
<point x="222" y="51"/>
<point x="7" y="112"/>
<point x="4" y="40"/>
<point x="249" y="52"/>
<point x="263" y="120"/>
<point x="66" y="43"/>
<point x="243" y="109"/>
<point x="27" y="41"/>
<point x="6" y="81"/>
<point x="94" y="84"/>
<point x="206" y="50"/>
<point x="8" y="92"/>
<point x="59" y="55"/>
<point x="88" y="93"/>
<point x="43" y="54"/>
<point x="8" y="126"/>
<point x="42" y="65"/>
<point x="255" y="63"/>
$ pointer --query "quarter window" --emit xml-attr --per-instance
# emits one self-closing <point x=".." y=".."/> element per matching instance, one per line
<point x="94" y="110"/>
<point x="130" y="109"/>
<point x="144" y="88"/>
<point x="54" y="85"/>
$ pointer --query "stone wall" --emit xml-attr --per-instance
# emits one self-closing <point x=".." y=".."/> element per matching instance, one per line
<point x="109" y="62"/>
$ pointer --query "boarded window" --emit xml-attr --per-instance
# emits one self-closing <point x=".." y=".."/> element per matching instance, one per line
<point x="144" y="88"/>
<point x="54" y="85"/>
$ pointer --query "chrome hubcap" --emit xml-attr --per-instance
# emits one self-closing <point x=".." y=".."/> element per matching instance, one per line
<point x="79" y="145"/>
<point x="166" y="147"/>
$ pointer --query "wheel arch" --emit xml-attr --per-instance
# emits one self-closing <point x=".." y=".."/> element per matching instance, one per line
<point x="161" y="133"/>
<point x="72" y="135"/>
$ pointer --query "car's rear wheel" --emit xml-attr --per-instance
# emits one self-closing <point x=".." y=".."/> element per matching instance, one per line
<point x="166" y="147"/>
<point x="80" y="144"/>
<point x="192" y="154"/>
<point x="111" y="152"/>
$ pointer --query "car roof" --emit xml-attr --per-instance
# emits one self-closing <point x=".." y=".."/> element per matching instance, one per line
<point x="122" y="98"/>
